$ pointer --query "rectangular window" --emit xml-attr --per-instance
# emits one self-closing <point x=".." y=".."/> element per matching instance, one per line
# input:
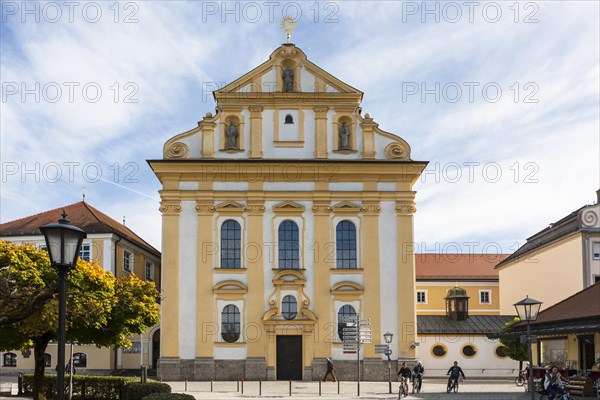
<point x="421" y="297"/>
<point x="485" y="297"/>
<point x="86" y="252"/>
<point x="127" y="261"/>
<point x="149" y="271"/>
<point x="9" y="360"/>
<point x="136" y="347"/>
<point x="596" y="250"/>
<point x="554" y="351"/>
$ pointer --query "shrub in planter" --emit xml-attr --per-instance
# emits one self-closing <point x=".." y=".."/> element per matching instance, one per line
<point x="137" y="391"/>
<point x="169" y="396"/>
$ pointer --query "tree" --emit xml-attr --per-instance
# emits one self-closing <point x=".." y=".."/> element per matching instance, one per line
<point x="23" y="289"/>
<point x="513" y="346"/>
<point x="101" y="309"/>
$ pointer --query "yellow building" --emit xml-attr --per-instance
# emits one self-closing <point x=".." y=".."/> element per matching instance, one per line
<point x="284" y="214"/>
<point x="556" y="262"/>
<point x="458" y="307"/>
<point x="118" y="250"/>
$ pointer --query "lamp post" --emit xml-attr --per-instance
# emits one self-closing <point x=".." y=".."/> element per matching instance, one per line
<point x="63" y="241"/>
<point x="388" y="340"/>
<point x="528" y="310"/>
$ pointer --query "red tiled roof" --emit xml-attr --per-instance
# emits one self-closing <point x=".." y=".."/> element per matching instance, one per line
<point x="583" y="304"/>
<point x="457" y="266"/>
<point x="80" y="214"/>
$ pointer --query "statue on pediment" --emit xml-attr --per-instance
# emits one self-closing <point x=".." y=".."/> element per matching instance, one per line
<point x="344" y="137"/>
<point x="232" y="135"/>
<point x="288" y="80"/>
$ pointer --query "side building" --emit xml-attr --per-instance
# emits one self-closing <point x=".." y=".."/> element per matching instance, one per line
<point x="555" y="263"/>
<point x="118" y="250"/>
<point x="285" y="215"/>
<point x="458" y="306"/>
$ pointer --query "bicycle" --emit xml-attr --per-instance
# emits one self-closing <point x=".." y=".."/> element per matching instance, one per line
<point x="520" y="380"/>
<point x="452" y="385"/>
<point x="544" y="395"/>
<point x="416" y="383"/>
<point x="403" y="391"/>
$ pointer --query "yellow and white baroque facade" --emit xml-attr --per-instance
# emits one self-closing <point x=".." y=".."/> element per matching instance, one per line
<point x="272" y="234"/>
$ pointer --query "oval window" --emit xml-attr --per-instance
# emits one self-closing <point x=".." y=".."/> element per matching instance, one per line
<point x="469" y="350"/>
<point x="439" y="350"/>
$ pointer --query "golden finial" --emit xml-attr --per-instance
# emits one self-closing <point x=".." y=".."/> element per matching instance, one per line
<point x="288" y="24"/>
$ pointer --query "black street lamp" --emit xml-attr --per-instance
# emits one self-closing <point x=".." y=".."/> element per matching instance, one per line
<point x="528" y="310"/>
<point x="63" y="242"/>
<point x="388" y="340"/>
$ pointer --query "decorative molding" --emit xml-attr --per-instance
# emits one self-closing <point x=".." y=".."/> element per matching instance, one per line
<point x="405" y="209"/>
<point x="321" y="208"/>
<point x="345" y="151"/>
<point x="230" y="287"/>
<point x="170" y="208"/>
<point x="347" y="287"/>
<point x="255" y="209"/>
<point x="204" y="208"/>
<point x="396" y="151"/>
<point x="590" y="217"/>
<point x="346" y="207"/>
<point x="371" y="208"/>
<point x="177" y="150"/>
<point x="232" y="151"/>
<point x="288" y="208"/>
<point x="229" y="207"/>
<point x="255" y="109"/>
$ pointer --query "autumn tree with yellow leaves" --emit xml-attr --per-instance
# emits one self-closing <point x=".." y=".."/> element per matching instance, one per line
<point x="101" y="309"/>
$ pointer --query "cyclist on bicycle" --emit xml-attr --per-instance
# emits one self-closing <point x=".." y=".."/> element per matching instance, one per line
<point x="553" y="383"/>
<point x="417" y="373"/>
<point x="455" y="371"/>
<point x="404" y="373"/>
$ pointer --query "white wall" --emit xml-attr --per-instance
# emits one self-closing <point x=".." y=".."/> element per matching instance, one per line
<point x="188" y="254"/>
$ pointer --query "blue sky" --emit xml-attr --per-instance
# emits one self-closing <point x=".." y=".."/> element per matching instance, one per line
<point x="502" y="98"/>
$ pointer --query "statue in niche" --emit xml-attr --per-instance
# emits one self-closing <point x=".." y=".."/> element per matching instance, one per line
<point x="232" y="135"/>
<point x="344" y="137"/>
<point x="288" y="80"/>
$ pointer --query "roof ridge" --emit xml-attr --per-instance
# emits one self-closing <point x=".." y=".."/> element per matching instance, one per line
<point x="91" y="209"/>
<point x="39" y="213"/>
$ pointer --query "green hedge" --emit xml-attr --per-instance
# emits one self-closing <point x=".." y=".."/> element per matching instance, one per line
<point x="137" y="391"/>
<point x="169" y="396"/>
<point x="84" y="387"/>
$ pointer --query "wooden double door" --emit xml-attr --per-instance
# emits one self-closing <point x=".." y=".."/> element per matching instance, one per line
<point x="289" y="357"/>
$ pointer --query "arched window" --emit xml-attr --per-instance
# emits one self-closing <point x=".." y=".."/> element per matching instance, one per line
<point x="47" y="360"/>
<point x="289" y="307"/>
<point x="9" y="360"/>
<point x="230" y="324"/>
<point x="231" y="244"/>
<point x="80" y="360"/>
<point x="289" y="245"/>
<point x="345" y="246"/>
<point x="346" y="314"/>
<point x="289" y="119"/>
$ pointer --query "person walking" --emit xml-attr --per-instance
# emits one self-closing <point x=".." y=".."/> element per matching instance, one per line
<point x="329" y="371"/>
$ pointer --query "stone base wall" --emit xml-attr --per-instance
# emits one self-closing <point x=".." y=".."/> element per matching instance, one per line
<point x="254" y="369"/>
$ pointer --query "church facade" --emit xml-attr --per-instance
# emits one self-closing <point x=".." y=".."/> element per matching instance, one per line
<point x="284" y="215"/>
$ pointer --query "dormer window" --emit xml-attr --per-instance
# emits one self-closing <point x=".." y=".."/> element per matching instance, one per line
<point x="289" y="119"/>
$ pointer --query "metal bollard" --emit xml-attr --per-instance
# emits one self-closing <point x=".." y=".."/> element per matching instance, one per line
<point x="211" y="385"/>
<point x="290" y="388"/>
<point x="238" y="385"/>
<point x="338" y="386"/>
<point x="242" y="386"/>
<point x="185" y="390"/>
<point x="319" y="388"/>
<point x="260" y="388"/>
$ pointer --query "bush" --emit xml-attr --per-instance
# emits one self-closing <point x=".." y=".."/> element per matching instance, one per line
<point x="169" y="396"/>
<point x="84" y="387"/>
<point x="136" y="391"/>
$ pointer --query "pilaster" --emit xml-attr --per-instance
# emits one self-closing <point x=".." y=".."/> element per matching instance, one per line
<point x="207" y="246"/>
<point x="407" y="317"/>
<point x="169" y="340"/>
<point x="256" y="131"/>
<point x="322" y="238"/>
<point x="371" y="210"/>
<point x="321" y="132"/>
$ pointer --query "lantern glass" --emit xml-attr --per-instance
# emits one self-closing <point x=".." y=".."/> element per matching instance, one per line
<point x="63" y="241"/>
<point x="528" y="309"/>
<point x="388" y="337"/>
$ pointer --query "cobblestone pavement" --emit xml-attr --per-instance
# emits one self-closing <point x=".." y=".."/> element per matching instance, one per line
<point x="433" y="389"/>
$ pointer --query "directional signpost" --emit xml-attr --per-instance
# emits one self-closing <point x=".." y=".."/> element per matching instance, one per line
<point x="354" y="334"/>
